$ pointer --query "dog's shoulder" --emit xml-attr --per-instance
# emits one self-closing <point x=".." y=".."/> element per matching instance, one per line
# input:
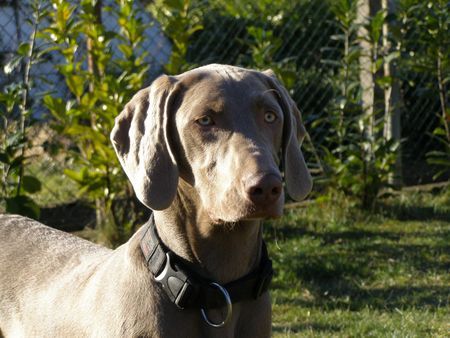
<point x="31" y="249"/>
<point x="30" y="234"/>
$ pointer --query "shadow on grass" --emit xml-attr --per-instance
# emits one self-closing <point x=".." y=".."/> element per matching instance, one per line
<point x="356" y="251"/>
<point x="292" y="232"/>
<point x="353" y="298"/>
<point x="341" y="268"/>
<point x="417" y="257"/>
<point x="413" y="213"/>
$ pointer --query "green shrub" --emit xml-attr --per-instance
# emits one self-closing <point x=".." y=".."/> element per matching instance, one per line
<point x="98" y="94"/>
<point x="16" y="118"/>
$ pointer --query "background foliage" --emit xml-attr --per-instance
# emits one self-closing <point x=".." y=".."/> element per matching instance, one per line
<point x="98" y="49"/>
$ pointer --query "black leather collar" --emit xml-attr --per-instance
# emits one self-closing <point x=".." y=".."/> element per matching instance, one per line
<point x="186" y="288"/>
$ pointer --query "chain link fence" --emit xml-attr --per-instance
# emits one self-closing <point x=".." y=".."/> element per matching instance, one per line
<point x="300" y="39"/>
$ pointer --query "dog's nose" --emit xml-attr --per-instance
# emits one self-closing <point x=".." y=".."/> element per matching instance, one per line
<point x="263" y="189"/>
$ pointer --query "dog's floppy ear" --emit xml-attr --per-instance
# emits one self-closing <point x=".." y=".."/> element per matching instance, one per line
<point x="141" y="141"/>
<point x="297" y="177"/>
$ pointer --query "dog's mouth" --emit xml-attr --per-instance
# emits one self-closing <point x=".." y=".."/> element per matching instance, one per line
<point x="249" y="212"/>
<point x="268" y="212"/>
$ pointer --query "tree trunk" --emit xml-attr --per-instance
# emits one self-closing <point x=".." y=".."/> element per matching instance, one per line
<point x="366" y="76"/>
<point x="392" y="121"/>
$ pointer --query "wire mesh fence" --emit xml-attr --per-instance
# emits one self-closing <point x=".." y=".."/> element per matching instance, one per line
<point x="309" y="44"/>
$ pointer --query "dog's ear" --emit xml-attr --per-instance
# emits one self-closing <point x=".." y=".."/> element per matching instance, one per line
<point x="297" y="177"/>
<point x="141" y="140"/>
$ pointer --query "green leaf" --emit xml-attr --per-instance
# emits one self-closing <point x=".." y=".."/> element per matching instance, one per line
<point x="376" y="25"/>
<point x="377" y="65"/>
<point x="31" y="184"/>
<point x="75" y="84"/>
<point x="126" y="50"/>
<point x="23" y="205"/>
<point x="194" y="29"/>
<point x="77" y="176"/>
<point x="24" y="49"/>
<point x="88" y="101"/>
<point x="175" y="4"/>
<point x="56" y="106"/>
<point x="79" y="130"/>
<point x="439" y="131"/>
<point x="384" y="81"/>
<point x="12" y="64"/>
<point x="353" y="55"/>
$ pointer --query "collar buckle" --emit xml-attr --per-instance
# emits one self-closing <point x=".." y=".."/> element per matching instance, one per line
<point x="177" y="285"/>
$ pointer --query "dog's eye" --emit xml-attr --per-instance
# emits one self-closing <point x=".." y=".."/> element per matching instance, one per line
<point x="270" y="117"/>
<point x="205" y="121"/>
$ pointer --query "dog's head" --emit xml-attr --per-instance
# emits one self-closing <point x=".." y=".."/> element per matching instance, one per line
<point x="224" y="130"/>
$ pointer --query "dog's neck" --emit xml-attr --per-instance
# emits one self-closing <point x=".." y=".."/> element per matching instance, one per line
<point x="223" y="252"/>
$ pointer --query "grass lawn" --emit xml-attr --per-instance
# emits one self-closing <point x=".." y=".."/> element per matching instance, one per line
<point x="341" y="272"/>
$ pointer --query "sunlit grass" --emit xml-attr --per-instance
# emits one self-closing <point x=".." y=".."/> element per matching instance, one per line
<point x="342" y="272"/>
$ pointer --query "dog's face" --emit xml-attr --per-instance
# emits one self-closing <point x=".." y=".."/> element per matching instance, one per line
<point x="230" y="126"/>
<point x="222" y="129"/>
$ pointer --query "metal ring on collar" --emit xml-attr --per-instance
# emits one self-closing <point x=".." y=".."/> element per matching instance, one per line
<point x="229" y="308"/>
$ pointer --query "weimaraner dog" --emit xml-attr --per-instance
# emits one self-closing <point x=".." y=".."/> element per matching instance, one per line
<point x="207" y="151"/>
